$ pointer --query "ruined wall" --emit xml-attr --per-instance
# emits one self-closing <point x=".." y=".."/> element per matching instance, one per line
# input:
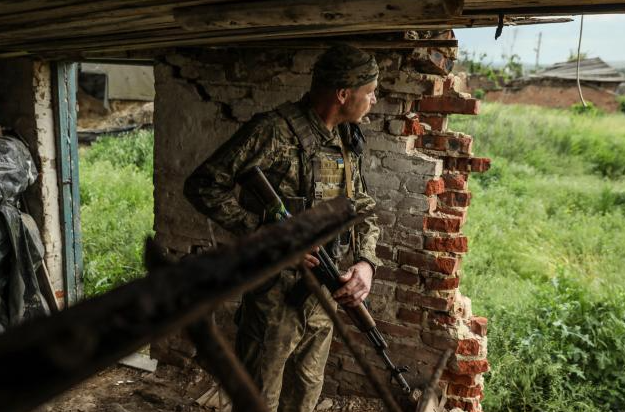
<point x="26" y="106"/>
<point x="416" y="169"/>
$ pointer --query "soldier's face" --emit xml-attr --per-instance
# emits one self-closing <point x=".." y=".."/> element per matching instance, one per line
<point x="358" y="102"/>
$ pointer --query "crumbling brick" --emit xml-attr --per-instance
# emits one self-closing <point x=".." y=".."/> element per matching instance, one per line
<point x="458" y="244"/>
<point x="448" y="105"/>
<point x="479" y="325"/>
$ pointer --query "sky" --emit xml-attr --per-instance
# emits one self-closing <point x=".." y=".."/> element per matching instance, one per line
<point x="603" y="36"/>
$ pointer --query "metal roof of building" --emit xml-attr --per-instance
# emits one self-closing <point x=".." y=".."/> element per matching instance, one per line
<point x="592" y="70"/>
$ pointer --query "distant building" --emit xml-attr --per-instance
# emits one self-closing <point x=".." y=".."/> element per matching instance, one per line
<point x="556" y="86"/>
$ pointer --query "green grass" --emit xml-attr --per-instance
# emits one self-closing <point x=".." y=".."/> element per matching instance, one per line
<point x="547" y="229"/>
<point x="116" y="192"/>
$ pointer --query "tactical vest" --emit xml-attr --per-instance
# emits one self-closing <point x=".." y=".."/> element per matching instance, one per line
<point x="331" y="167"/>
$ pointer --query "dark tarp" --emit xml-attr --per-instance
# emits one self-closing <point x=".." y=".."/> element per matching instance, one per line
<point x="21" y="249"/>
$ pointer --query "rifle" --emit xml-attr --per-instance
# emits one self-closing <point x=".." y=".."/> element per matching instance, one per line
<point x="326" y="272"/>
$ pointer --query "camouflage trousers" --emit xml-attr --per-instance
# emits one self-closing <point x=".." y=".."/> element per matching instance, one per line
<point x="284" y="348"/>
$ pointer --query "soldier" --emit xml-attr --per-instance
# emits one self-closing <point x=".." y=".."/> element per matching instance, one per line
<point x="310" y="151"/>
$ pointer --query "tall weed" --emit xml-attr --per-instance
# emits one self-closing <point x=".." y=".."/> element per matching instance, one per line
<point x="116" y="209"/>
<point x="549" y="140"/>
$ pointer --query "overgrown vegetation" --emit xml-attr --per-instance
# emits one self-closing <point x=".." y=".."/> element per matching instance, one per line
<point x="547" y="227"/>
<point x="117" y="209"/>
<point x="621" y="103"/>
<point x="479" y="65"/>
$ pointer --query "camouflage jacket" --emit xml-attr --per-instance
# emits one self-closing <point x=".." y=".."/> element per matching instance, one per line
<point x="268" y="142"/>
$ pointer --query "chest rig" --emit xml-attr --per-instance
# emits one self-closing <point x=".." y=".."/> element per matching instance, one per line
<point x="326" y="170"/>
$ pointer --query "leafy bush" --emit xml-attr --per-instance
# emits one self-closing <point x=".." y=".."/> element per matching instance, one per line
<point x="621" y="103"/>
<point x="116" y="209"/>
<point x="479" y="93"/>
<point x="589" y="110"/>
<point x="564" y="352"/>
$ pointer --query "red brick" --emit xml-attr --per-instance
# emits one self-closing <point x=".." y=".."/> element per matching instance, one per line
<point x="441" y="284"/>
<point x="457" y="244"/>
<point x="385" y="273"/>
<point x="446" y="265"/>
<point x="455" y="181"/>
<point x="410" y="316"/>
<point x="440" y="321"/>
<point x="407" y="296"/>
<point x="472" y="367"/>
<point x="457" y="164"/>
<point x="461" y="145"/>
<point x="413" y="127"/>
<point x="431" y="142"/>
<point x="464" y="391"/>
<point x="442" y="224"/>
<point x="434" y="62"/>
<point x="466" y="380"/>
<point x="396" y="330"/>
<point x="405" y="278"/>
<point x="414" y="222"/>
<point x="437" y="123"/>
<point x="480" y="164"/>
<point x="434" y="187"/>
<point x="456" y="199"/>
<point x="386" y="218"/>
<point x="384" y="252"/>
<point x="437" y="341"/>
<point x="459" y="212"/>
<point x="467" y="406"/>
<point x="409" y="239"/>
<point x="479" y="325"/>
<point x="448" y="104"/>
<point x="436" y="303"/>
<point x="469" y="347"/>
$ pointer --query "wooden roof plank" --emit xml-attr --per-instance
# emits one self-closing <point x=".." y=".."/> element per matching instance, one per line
<point x="277" y="13"/>
<point x="97" y="10"/>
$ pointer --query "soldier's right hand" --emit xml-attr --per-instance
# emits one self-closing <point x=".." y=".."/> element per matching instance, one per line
<point x="309" y="260"/>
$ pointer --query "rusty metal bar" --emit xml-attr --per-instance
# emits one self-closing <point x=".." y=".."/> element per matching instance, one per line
<point x="384" y="392"/>
<point x="217" y="358"/>
<point x="430" y="390"/>
<point x="44" y="357"/>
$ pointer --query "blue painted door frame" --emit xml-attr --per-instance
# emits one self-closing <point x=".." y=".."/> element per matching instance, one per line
<point x="64" y="81"/>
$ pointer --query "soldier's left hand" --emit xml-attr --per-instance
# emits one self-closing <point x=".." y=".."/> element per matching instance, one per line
<point x="357" y="285"/>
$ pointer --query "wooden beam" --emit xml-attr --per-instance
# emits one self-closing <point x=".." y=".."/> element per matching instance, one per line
<point x="548" y="10"/>
<point x="274" y="13"/>
<point x="64" y="85"/>
<point x="362" y="44"/>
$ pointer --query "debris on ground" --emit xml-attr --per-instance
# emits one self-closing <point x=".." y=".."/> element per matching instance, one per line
<point x="169" y="389"/>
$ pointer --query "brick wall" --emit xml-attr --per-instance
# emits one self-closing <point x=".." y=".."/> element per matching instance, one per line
<point x="416" y="169"/>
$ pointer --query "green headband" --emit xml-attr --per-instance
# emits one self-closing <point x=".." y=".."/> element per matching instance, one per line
<point x="345" y="66"/>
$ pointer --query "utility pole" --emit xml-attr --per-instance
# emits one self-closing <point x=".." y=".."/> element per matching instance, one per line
<point x="537" y="49"/>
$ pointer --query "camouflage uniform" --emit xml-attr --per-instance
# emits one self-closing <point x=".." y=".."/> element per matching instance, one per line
<point x="279" y="343"/>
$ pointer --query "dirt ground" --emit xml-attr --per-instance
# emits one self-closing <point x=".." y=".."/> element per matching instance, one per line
<point x="561" y="97"/>
<point x="169" y="389"/>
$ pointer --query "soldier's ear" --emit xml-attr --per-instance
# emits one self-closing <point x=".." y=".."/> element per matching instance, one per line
<point x="342" y="95"/>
